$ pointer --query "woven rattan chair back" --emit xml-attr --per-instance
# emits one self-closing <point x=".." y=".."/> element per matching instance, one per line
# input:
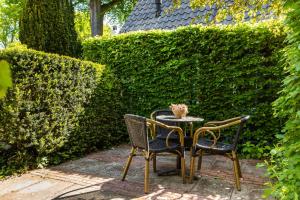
<point x="137" y="130"/>
<point x="160" y="112"/>
<point x="162" y="132"/>
<point x="243" y="119"/>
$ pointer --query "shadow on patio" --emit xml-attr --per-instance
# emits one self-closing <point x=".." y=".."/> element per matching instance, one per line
<point x="97" y="176"/>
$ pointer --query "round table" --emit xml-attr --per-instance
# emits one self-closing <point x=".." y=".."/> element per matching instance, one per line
<point x="172" y="118"/>
<point x="188" y="119"/>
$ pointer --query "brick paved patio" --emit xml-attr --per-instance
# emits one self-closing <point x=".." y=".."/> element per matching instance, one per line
<point x="97" y="176"/>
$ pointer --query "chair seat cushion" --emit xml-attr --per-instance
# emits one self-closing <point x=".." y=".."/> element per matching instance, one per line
<point x="219" y="147"/>
<point x="159" y="145"/>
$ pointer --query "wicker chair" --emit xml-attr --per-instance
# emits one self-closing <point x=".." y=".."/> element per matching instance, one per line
<point x="202" y="145"/>
<point x="138" y="129"/>
<point x="161" y="133"/>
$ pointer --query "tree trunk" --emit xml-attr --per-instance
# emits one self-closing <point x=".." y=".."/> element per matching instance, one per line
<point x="101" y="24"/>
<point x="96" y="17"/>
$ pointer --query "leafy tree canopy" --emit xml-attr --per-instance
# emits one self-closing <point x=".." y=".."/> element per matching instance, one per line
<point x="83" y="26"/>
<point x="9" y="20"/>
<point x="256" y="9"/>
<point x="118" y="12"/>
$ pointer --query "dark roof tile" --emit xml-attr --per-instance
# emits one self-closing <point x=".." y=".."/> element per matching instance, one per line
<point x="143" y="15"/>
<point x="202" y="9"/>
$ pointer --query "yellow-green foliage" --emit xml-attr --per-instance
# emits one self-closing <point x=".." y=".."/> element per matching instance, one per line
<point x="5" y="78"/>
<point x="83" y="26"/>
<point x="284" y="166"/>
<point x="220" y="72"/>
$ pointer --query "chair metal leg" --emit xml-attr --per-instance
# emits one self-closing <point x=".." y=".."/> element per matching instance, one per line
<point x="146" y="180"/>
<point x="192" y="169"/>
<point x="132" y="152"/>
<point x="236" y="171"/>
<point x="239" y="167"/>
<point x="200" y="160"/>
<point x="183" y="168"/>
<point x="178" y="162"/>
<point x="154" y="162"/>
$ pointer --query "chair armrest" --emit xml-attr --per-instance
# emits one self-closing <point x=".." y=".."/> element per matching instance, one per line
<point x="152" y="130"/>
<point x="218" y="123"/>
<point x="210" y="129"/>
<point x="152" y="115"/>
<point x="174" y="130"/>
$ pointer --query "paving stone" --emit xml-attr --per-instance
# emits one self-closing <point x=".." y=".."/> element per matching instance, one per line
<point x="127" y="188"/>
<point x="249" y="167"/>
<point x="80" y="179"/>
<point x="167" y="194"/>
<point x="107" y="190"/>
<point x="95" y="167"/>
<point x="79" y="192"/>
<point x="97" y="195"/>
<point x="213" y="188"/>
<point x="18" y="183"/>
<point x="110" y="190"/>
<point x="45" y="189"/>
<point x="207" y="162"/>
<point x="248" y="192"/>
<point x="223" y="165"/>
<point x="173" y="183"/>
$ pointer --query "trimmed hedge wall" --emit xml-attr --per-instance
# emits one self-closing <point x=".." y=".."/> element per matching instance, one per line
<point x="101" y="124"/>
<point x="220" y="72"/>
<point x="42" y="113"/>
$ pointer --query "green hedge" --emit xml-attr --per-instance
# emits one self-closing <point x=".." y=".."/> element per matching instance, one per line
<point x="220" y="72"/>
<point x="41" y="113"/>
<point x="101" y="125"/>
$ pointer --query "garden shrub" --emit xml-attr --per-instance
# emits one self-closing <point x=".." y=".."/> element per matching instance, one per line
<point x="220" y="72"/>
<point x="42" y="111"/>
<point x="101" y="125"/>
<point x="284" y="165"/>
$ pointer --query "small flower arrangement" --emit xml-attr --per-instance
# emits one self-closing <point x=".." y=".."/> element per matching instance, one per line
<point x="179" y="110"/>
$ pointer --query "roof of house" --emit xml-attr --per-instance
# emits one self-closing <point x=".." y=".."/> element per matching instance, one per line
<point x="143" y="16"/>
